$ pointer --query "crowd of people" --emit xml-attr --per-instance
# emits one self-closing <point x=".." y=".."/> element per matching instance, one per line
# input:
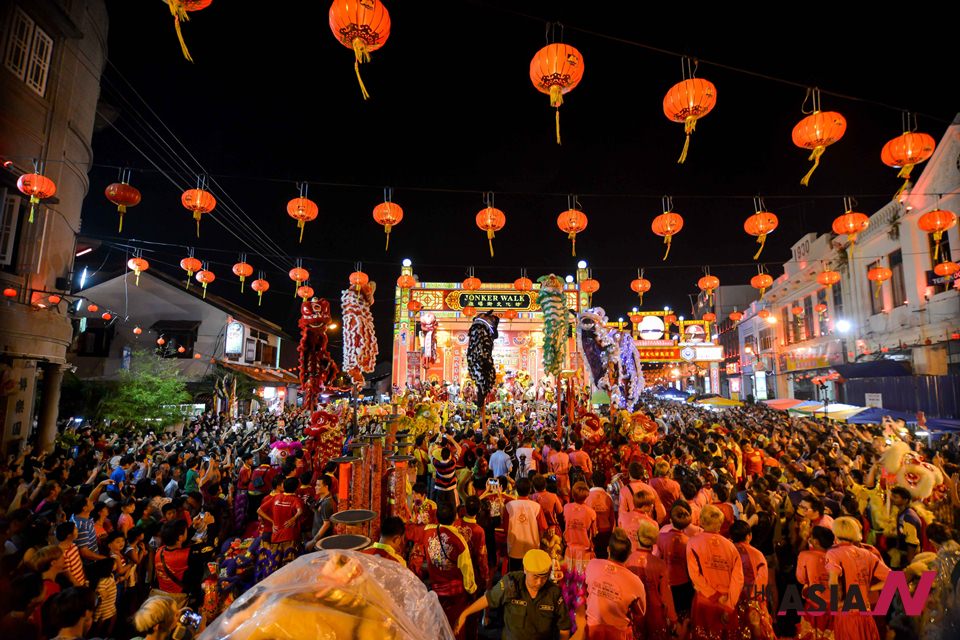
<point x="729" y="524"/>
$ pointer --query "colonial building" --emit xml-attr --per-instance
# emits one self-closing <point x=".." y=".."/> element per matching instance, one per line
<point x="53" y="53"/>
<point x="198" y="330"/>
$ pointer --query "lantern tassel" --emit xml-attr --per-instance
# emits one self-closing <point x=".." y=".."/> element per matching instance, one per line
<point x="204" y="290"/>
<point x="667" y="241"/>
<point x="905" y="171"/>
<point x="386" y="230"/>
<point x="763" y="241"/>
<point x="573" y="243"/>
<point x="241" y="284"/>
<point x="815" y="156"/>
<point x="301" y="225"/>
<point x="360" y="54"/>
<point x="259" y="298"/>
<point x="490" y="240"/>
<point x="137" y="280"/>
<point x="558" y="126"/>
<point x="903" y="187"/>
<point x="120" y="230"/>
<point x="196" y="216"/>
<point x="689" y="126"/>
<point x="876" y="293"/>
<point x="34" y="201"/>
<point x="179" y="14"/>
<point x="936" y="245"/>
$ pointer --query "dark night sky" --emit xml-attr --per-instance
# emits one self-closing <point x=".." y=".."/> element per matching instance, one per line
<point x="272" y="99"/>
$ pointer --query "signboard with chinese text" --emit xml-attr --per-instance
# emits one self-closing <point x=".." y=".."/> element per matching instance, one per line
<point x="233" y="343"/>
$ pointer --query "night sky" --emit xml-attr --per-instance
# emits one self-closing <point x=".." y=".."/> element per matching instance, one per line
<point x="272" y="100"/>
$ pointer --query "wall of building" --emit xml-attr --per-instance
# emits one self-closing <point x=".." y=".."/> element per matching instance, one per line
<point x="55" y="129"/>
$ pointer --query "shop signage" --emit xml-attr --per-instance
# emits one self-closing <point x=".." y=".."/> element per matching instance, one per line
<point x="233" y="345"/>
<point x="709" y="353"/>
<point x="933" y="279"/>
<point x="521" y="301"/>
<point x="873" y="400"/>
<point x="659" y="354"/>
<point x="819" y="357"/>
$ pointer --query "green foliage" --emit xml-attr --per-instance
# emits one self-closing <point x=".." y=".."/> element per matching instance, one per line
<point x="148" y="394"/>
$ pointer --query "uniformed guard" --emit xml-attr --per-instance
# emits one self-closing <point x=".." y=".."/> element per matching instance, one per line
<point x="533" y="606"/>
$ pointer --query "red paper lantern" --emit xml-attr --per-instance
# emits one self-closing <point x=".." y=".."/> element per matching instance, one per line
<point x="92" y="308"/>
<point x="572" y="222"/>
<point x="523" y="284"/>
<point x="764" y="313"/>
<point x="106" y="315"/>
<point x="816" y="132"/>
<point x="851" y="223"/>
<point x="37" y="187"/>
<point x="190" y="265"/>
<point x="388" y="214"/>
<point x="491" y="219"/>
<point x="161" y="341"/>
<point x="305" y="292"/>
<point x="667" y="224"/>
<point x="761" y="281"/>
<point x="590" y="286"/>
<point x="196" y="356"/>
<point x="686" y="102"/>
<point x="555" y="70"/>
<point x="636" y="318"/>
<point x="137" y="331"/>
<point x="303" y="210"/>
<point x="10" y="292"/>
<point x="760" y="224"/>
<point x="242" y="270"/>
<point x="415" y="305"/>
<point x="709" y="317"/>
<point x="137" y="265"/>
<point x="205" y="277"/>
<point x="820" y="308"/>
<point x="828" y="278"/>
<point x="181" y="349"/>
<point x="735" y="316"/>
<point x="879" y="275"/>
<point x="299" y="275"/>
<point x="361" y="25"/>
<point x="179" y="9"/>
<point x="406" y="281"/>
<point x="907" y="150"/>
<point x="358" y="279"/>
<point x="469" y="311"/>
<point x="199" y="202"/>
<point x="640" y="286"/>
<point x="472" y="283"/>
<point x="124" y="196"/>
<point x="936" y="222"/>
<point x="669" y="319"/>
<point x="510" y="314"/>
<point x="261" y="286"/>
<point x="708" y="284"/>
<point x="797" y="311"/>
<point x="54" y="299"/>
<point x="946" y="268"/>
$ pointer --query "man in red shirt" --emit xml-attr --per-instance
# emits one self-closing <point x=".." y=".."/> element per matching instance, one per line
<point x="474" y="535"/>
<point x="285" y="515"/>
<point x="392" y="541"/>
<point x="602" y="504"/>
<point x="580" y="458"/>
<point x="549" y="503"/>
<point x="448" y="563"/>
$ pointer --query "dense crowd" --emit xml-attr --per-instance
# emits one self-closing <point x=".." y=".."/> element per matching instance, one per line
<point x="720" y="525"/>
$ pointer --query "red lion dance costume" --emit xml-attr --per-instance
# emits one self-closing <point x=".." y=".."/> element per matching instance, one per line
<point x="359" y="340"/>
<point x="317" y="368"/>
<point x="596" y="444"/>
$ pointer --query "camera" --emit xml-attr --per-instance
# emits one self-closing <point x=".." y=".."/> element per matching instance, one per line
<point x="190" y="619"/>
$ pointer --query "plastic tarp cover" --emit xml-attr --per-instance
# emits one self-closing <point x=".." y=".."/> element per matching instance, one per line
<point x="335" y="595"/>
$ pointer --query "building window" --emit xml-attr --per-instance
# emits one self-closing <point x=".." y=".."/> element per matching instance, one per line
<point x="177" y="333"/>
<point x="9" y="216"/>
<point x="768" y="338"/>
<point x="823" y="319"/>
<point x="895" y="260"/>
<point x="808" y="319"/>
<point x="95" y="342"/>
<point x="787" y="325"/>
<point x="29" y="51"/>
<point x="799" y="326"/>
<point x="876" y="300"/>
<point x="837" y="299"/>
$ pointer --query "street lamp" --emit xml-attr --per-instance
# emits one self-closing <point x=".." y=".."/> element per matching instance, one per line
<point x="843" y="326"/>
<point x="582" y="264"/>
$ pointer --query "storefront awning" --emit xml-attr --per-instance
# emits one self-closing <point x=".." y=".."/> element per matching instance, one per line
<point x="782" y="404"/>
<point x="267" y="375"/>
<point x="720" y="402"/>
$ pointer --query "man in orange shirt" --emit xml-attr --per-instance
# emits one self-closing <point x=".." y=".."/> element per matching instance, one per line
<point x="392" y="541"/>
<point x="602" y="504"/>
<point x="558" y="463"/>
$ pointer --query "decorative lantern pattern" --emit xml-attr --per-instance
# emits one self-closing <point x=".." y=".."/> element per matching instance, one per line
<point x="905" y="151"/>
<point x="816" y="132"/>
<point x="123" y="195"/>
<point x="688" y="101"/>
<point x="361" y="25"/>
<point x="261" y="286"/>
<point x="760" y="224"/>
<point x="299" y="275"/>
<point x="761" y="281"/>
<point x="936" y="222"/>
<point x="137" y="265"/>
<point x="358" y="278"/>
<point x="180" y="9"/>
<point x="491" y="220"/>
<point x="242" y="270"/>
<point x="199" y="202"/>
<point x="303" y="210"/>
<point x="667" y="224"/>
<point x="305" y="292"/>
<point x="555" y="70"/>
<point x="406" y="281"/>
<point x="205" y="277"/>
<point x="572" y="221"/>
<point x="388" y="214"/>
<point x="708" y="284"/>
<point x="190" y="265"/>
<point x="851" y="222"/>
<point x="828" y="278"/>
<point x="36" y="186"/>
<point x="879" y="275"/>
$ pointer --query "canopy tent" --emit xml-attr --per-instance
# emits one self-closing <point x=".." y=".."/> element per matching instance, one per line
<point x="874" y="415"/>
<point x="807" y="406"/>
<point x="718" y="401"/>
<point x="782" y="404"/>
<point x="839" y="411"/>
<point x="943" y="424"/>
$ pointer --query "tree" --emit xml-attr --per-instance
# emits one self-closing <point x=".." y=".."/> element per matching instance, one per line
<point x="148" y="395"/>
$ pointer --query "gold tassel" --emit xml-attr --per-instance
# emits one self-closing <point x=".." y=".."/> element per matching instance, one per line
<point x="122" y="209"/>
<point x="903" y="187"/>
<point x="936" y="245"/>
<point x="558" y="126"/>
<point x="876" y="294"/>
<point x="259" y="298"/>
<point x="689" y="126"/>
<point x="556" y="95"/>
<point x="573" y="243"/>
<point x="815" y="156"/>
<point x="905" y="171"/>
<point x="137" y="279"/>
<point x="301" y="225"/>
<point x="667" y="241"/>
<point x="204" y="290"/>
<point x="386" y="229"/>
<point x="490" y="240"/>
<point x="34" y="201"/>
<point x="360" y="54"/>
<point x="241" y="284"/>
<point x="763" y="241"/>
<point x="180" y="15"/>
